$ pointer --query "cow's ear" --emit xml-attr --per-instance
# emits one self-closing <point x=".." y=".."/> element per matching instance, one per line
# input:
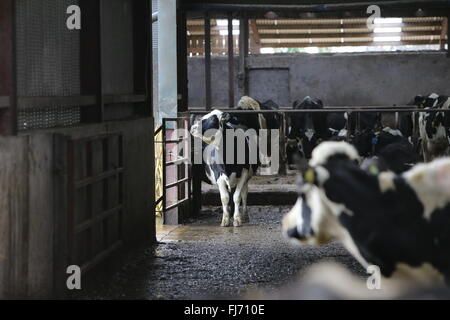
<point x="419" y="101"/>
<point x="225" y="117"/>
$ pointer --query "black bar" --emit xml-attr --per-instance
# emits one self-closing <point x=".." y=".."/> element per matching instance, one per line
<point x="325" y="110"/>
<point x="230" y="62"/>
<point x="208" y="100"/>
<point x="8" y="116"/>
<point x="203" y="5"/>
<point x="182" y="68"/>
<point x="91" y="58"/>
<point x="448" y="35"/>
<point x="142" y="48"/>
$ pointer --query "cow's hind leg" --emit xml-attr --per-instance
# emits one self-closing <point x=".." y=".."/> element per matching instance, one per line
<point x="225" y="198"/>
<point x="237" y="197"/>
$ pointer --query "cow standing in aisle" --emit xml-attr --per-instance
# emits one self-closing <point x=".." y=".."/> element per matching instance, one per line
<point x="231" y="172"/>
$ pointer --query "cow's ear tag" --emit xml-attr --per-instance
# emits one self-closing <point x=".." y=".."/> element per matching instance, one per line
<point x="374" y="170"/>
<point x="374" y="140"/>
<point x="309" y="176"/>
<point x="225" y="117"/>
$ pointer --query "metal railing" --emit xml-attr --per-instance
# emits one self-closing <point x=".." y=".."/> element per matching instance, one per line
<point x="182" y="171"/>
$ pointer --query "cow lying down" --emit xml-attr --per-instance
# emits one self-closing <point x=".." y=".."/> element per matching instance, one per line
<point x="401" y="223"/>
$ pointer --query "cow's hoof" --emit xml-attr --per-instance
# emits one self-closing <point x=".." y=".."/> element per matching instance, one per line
<point x="237" y="222"/>
<point x="225" y="223"/>
<point x="245" y="218"/>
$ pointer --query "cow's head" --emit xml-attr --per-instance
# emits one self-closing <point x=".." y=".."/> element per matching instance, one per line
<point x="314" y="218"/>
<point x="428" y="101"/>
<point x="308" y="140"/>
<point x="209" y="127"/>
<point x="307" y="128"/>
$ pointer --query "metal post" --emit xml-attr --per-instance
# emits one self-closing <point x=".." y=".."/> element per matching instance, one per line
<point x="167" y="59"/>
<point x="283" y="157"/>
<point x="207" y="61"/>
<point x="163" y="145"/>
<point x="182" y="61"/>
<point x="243" y="55"/>
<point x="230" y="62"/>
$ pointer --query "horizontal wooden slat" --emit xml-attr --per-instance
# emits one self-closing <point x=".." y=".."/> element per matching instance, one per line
<point x="97" y="178"/>
<point x="343" y="40"/>
<point x="97" y="219"/>
<point x="101" y="256"/>
<point x="322" y="32"/>
<point x="124" y="98"/>
<point x="339" y="21"/>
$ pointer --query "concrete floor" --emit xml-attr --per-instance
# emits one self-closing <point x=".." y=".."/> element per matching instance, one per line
<point x="202" y="260"/>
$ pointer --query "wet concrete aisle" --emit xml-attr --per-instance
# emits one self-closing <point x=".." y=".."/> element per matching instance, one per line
<point x="202" y="260"/>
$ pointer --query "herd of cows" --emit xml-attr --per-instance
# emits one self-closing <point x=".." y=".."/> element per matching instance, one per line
<point x="383" y="192"/>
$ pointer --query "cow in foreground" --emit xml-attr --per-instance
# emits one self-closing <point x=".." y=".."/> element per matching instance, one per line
<point x="401" y="223"/>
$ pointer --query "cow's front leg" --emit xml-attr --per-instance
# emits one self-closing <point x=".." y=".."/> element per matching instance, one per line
<point x="225" y="199"/>
<point x="244" y="193"/>
<point x="237" y="196"/>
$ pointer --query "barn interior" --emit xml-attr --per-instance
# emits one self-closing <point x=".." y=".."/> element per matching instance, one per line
<point x="95" y="175"/>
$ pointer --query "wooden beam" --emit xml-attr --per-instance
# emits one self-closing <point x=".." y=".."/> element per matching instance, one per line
<point x="255" y="32"/>
<point x="444" y="31"/>
<point x="91" y="58"/>
<point x="448" y="34"/>
<point x="142" y="51"/>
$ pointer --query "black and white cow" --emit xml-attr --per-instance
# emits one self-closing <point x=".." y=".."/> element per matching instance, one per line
<point x="434" y="126"/>
<point x="400" y="223"/>
<point x="229" y="174"/>
<point x="391" y="152"/>
<point x="306" y="130"/>
<point x="337" y="126"/>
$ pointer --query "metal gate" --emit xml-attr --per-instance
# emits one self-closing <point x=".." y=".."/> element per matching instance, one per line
<point x="176" y="177"/>
<point x="95" y="198"/>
